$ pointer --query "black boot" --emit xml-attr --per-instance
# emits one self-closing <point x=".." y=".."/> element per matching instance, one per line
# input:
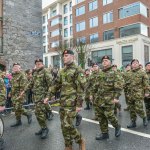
<point x="44" y="133"/>
<point x="78" y="119"/>
<point x="132" y="124"/>
<point x="118" y="131"/>
<point x="18" y="123"/>
<point x="49" y="115"/>
<point x="87" y="106"/>
<point x="102" y="136"/>
<point x="39" y="132"/>
<point x="29" y="117"/>
<point x="145" y="123"/>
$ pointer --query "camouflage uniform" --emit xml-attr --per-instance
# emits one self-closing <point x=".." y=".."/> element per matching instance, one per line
<point x="41" y="80"/>
<point x="2" y="92"/>
<point x="70" y="81"/>
<point x="138" y="85"/>
<point x="18" y="83"/>
<point x="108" y="86"/>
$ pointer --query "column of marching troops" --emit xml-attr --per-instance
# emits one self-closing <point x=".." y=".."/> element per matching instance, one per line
<point x="104" y="87"/>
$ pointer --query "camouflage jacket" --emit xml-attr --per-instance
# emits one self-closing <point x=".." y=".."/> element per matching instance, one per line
<point x="126" y="77"/>
<point x="18" y="83"/>
<point x="70" y="81"/>
<point x="40" y="83"/>
<point x="138" y="82"/>
<point x="2" y="92"/>
<point x="108" y="86"/>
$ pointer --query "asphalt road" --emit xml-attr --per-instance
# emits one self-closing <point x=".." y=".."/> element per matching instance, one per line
<point x="23" y="137"/>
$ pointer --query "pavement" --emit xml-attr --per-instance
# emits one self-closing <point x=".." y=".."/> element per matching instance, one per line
<point x="23" y="137"/>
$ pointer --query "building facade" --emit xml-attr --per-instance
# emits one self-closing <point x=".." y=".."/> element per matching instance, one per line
<point x="119" y="29"/>
<point x="20" y="32"/>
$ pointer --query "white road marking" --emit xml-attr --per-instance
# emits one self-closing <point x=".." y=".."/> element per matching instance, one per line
<point x="122" y="129"/>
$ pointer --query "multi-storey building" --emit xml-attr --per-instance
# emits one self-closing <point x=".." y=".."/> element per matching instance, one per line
<point x="116" y="28"/>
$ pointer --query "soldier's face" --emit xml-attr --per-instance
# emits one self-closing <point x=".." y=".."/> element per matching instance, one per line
<point x="135" y="64"/>
<point x="128" y="68"/>
<point x="95" y="68"/>
<point x="106" y="63"/>
<point x="39" y="65"/>
<point x="68" y="59"/>
<point x="16" y="68"/>
<point x="148" y="67"/>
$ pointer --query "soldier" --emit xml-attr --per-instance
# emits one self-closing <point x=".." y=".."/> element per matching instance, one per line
<point x="138" y="85"/>
<point x="126" y="78"/>
<point x="147" y="99"/>
<point x="41" y="81"/>
<point x="2" y="104"/>
<point x="87" y="92"/>
<point x="18" y="84"/>
<point x="108" y="87"/>
<point x="70" y="81"/>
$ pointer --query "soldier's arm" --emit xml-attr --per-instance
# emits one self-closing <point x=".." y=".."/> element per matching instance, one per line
<point x="118" y="85"/>
<point x="146" y="85"/>
<point x="80" y="87"/>
<point x="2" y="93"/>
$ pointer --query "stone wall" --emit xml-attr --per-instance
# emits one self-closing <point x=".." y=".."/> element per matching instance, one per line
<point x="22" y="32"/>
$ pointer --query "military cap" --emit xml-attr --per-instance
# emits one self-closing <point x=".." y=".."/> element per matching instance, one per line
<point x="38" y="60"/>
<point x="105" y="57"/>
<point x="114" y="65"/>
<point x="94" y="64"/>
<point x="16" y="64"/>
<point x="147" y="63"/>
<point x="134" y="60"/>
<point x="68" y="52"/>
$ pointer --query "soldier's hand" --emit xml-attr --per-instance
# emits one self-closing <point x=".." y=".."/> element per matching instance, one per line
<point x="78" y="109"/>
<point x="115" y="101"/>
<point x="21" y="94"/>
<point x="2" y="108"/>
<point x="146" y="95"/>
<point x="45" y="100"/>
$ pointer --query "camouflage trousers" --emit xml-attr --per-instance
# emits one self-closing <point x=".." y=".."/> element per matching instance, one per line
<point x="69" y="132"/>
<point x="136" y="107"/>
<point x="147" y="106"/>
<point x="40" y="112"/>
<point x="106" y="114"/>
<point x="18" y="107"/>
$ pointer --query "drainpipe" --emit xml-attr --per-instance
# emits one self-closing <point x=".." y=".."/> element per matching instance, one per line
<point x="1" y="26"/>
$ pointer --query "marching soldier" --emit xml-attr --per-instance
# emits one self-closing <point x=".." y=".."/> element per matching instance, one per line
<point x="147" y="99"/>
<point x="138" y="85"/>
<point x="18" y="84"/>
<point x="41" y="81"/>
<point x="71" y="82"/>
<point x="108" y="87"/>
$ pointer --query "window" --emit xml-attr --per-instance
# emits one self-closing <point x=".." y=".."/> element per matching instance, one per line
<point x="93" y="5"/>
<point x="80" y="26"/>
<point x="132" y="9"/>
<point x="71" y="18"/>
<point x="53" y="13"/>
<point x="65" y="9"/>
<point x="44" y="39"/>
<point x="94" y="38"/>
<point x="127" y="54"/>
<point x="66" y="32"/>
<point x="46" y="62"/>
<point x="81" y="40"/>
<point x="71" y="43"/>
<point x="80" y="11"/>
<point x="56" y="61"/>
<point x="105" y="2"/>
<point x="44" y="29"/>
<point x="97" y="55"/>
<point x="93" y="22"/>
<point x="65" y="20"/>
<point x="55" y="33"/>
<point x="44" y="49"/>
<point x="55" y="21"/>
<point x="146" y="54"/>
<point x="44" y="19"/>
<point x="70" y="6"/>
<point x="108" y="35"/>
<point x="54" y="44"/>
<point x="134" y="29"/>
<point x="108" y="17"/>
<point x="71" y="30"/>
<point x="79" y="1"/>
